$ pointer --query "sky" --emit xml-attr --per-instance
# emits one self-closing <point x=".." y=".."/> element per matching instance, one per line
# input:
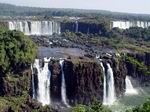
<point x="129" y="6"/>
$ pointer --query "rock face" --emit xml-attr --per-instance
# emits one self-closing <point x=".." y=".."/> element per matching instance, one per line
<point x="84" y="82"/>
<point x="83" y="27"/>
<point x="120" y="73"/>
<point x="136" y="72"/>
<point x="14" y="92"/>
<point x="55" y="88"/>
<point x="15" y="85"/>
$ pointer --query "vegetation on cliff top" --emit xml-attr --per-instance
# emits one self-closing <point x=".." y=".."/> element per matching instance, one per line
<point x="17" y="51"/>
<point x="140" y="65"/>
<point x="95" y="107"/>
<point x="113" y="39"/>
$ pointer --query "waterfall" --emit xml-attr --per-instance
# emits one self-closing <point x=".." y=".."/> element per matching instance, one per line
<point x="128" y="24"/>
<point x="129" y="87"/>
<point x="111" y="87"/>
<point x="35" y="27"/>
<point x="77" y="27"/>
<point x="63" y="85"/>
<point x="33" y="85"/>
<point x="44" y="75"/>
<point x="104" y="85"/>
<point x="108" y="85"/>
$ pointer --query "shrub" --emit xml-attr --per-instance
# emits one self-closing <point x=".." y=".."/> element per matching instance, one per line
<point x="142" y="108"/>
<point x="17" y="51"/>
<point x="95" y="107"/>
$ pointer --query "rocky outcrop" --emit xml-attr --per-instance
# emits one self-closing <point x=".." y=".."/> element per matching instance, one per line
<point x="72" y="26"/>
<point x="83" y="27"/>
<point x="3" y="24"/>
<point x="55" y="80"/>
<point x="14" y="92"/>
<point x="84" y="82"/>
<point x="136" y="71"/>
<point x="14" y="85"/>
<point x="120" y="73"/>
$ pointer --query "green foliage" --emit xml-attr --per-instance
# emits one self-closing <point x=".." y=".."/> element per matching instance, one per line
<point x="14" y="102"/>
<point x="95" y="107"/>
<point x="11" y="10"/>
<point x="138" y="33"/>
<point x="98" y="107"/>
<point x="115" y="39"/>
<point x="16" y="50"/>
<point x="44" y="109"/>
<point x="135" y="62"/>
<point x="140" y="65"/>
<point x="142" y="108"/>
<point x="79" y="108"/>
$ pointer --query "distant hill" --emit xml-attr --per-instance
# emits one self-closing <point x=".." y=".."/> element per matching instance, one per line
<point x="12" y="10"/>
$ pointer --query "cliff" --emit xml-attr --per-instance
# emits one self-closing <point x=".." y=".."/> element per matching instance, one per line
<point x="84" y="82"/>
<point x="83" y="27"/>
<point x="14" y="94"/>
<point x="138" y="67"/>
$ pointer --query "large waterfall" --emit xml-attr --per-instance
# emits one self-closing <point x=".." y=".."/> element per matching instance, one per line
<point x="63" y="85"/>
<point x="111" y="87"/>
<point x="108" y="85"/>
<point x="128" y="24"/>
<point x="129" y="87"/>
<point x="104" y="85"/>
<point x="33" y="84"/>
<point x="44" y="75"/>
<point x="77" y="26"/>
<point x="35" y="27"/>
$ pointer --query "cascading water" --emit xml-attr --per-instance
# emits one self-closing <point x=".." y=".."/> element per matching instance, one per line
<point x="104" y="85"/>
<point x="44" y="75"/>
<point x="35" y="27"/>
<point x="63" y="85"/>
<point x="111" y="87"/>
<point x="129" y="87"/>
<point x="77" y="26"/>
<point x="33" y="85"/>
<point x="128" y="24"/>
<point x="108" y="85"/>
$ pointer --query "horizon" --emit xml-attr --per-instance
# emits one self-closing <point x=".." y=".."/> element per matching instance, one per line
<point x="144" y="9"/>
<point x="75" y="9"/>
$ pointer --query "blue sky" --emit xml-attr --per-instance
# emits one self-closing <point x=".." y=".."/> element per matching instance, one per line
<point x="131" y="6"/>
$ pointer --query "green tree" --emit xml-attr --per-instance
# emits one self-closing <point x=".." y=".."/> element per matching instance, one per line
<point x="95" y="107"/>
<point x="17" y="51"/>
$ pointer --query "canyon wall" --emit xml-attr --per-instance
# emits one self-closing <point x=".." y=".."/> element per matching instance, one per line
<point x="138" y="67"/>
<point x="83" y="79"/>
<point x="83" y="27"/>
<point x="50" y="27"/>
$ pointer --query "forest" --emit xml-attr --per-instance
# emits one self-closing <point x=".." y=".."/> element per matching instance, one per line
<point x="12" y="10"/>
